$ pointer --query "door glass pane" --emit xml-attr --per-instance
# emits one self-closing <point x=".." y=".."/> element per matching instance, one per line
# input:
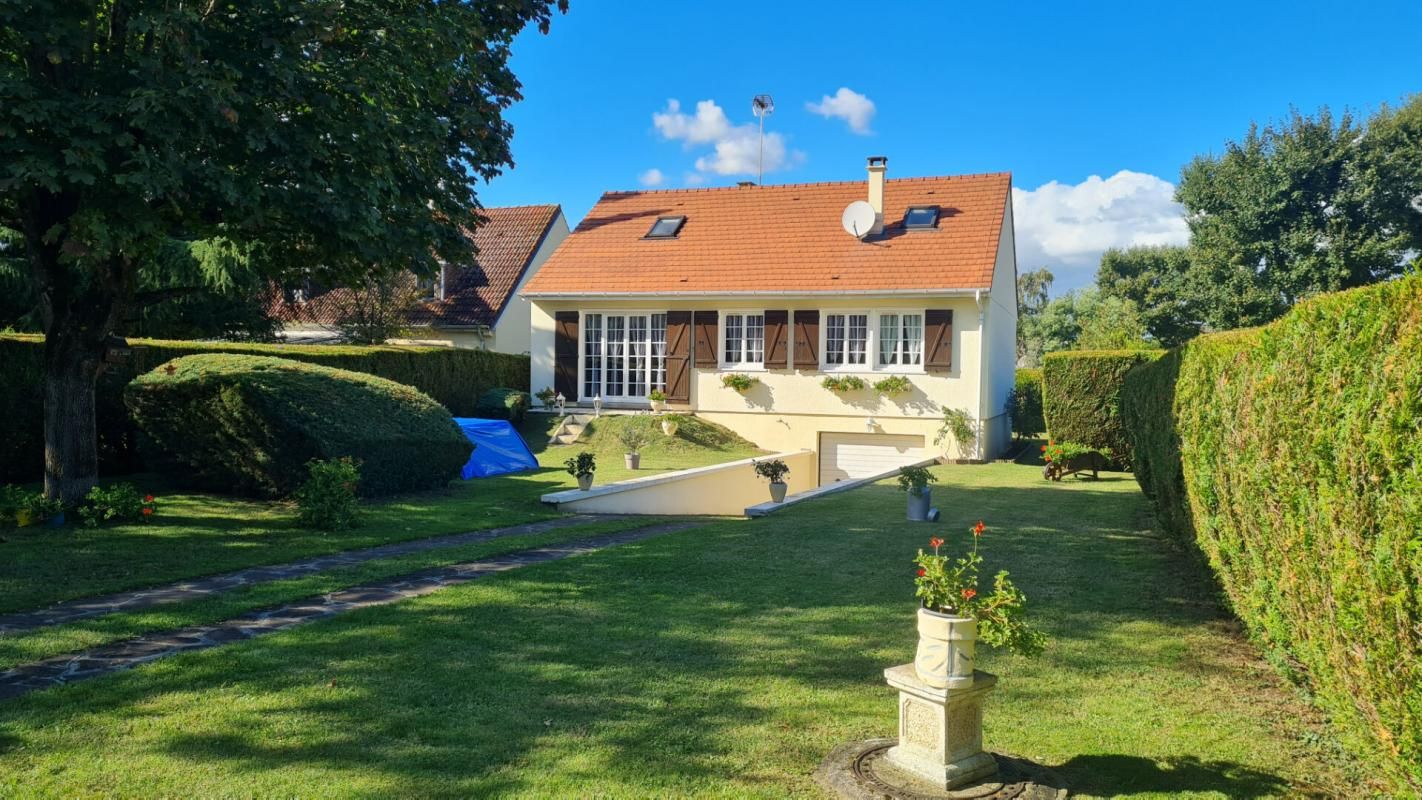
<point x="858" y="337"/>
<point x="733" y="339"/>
<point x="888" y="339"/>
<point x="592" y="355"/>
<point x="755" y="338"/>
<point x="913" y="338"/>
<point x="834" y="339"/>
<point x="616" y="359"/>
<point x="659" y="351"/>
<point x="636" y="356"/>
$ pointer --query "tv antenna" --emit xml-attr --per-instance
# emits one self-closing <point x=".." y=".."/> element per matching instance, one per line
<point x="762" y="106"/>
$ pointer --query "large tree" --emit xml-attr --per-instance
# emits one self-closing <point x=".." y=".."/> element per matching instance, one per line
<point x="1308" y="205"/>
<point x="334" y="138"/>
<point x="1157" y="281"/>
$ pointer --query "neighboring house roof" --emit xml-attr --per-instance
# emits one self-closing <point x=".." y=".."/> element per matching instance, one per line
<point x="474" y="293"/>
<point x="782" y="239"/>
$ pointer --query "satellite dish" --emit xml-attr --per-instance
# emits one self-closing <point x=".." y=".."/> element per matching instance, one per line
<point x="858" y="219"/>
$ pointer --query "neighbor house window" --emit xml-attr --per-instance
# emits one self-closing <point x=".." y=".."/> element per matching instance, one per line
<point x="846" y="339"/>
<point x="744" y="339"/>
<point x="900" y="340"/>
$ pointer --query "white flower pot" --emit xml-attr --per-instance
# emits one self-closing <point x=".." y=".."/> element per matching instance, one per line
<point x="777" y="491"/>
<point x="658" y="405"/>
<point x="585" y="482"/>
<point x="918" y="505"/>
<point x="632" y="460"/>
<point x="669" y="428"/>
<point x="946" y="645"/>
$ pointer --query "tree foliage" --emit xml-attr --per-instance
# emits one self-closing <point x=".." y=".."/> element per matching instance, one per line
<point x="1157" y="281"/>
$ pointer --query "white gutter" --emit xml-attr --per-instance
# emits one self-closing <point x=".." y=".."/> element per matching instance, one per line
<point x="975" y="293"/>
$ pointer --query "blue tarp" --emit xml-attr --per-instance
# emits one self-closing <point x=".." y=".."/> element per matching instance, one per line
<point x="498" y="448"/>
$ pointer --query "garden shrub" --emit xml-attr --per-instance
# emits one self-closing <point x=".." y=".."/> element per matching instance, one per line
<point x="327" y="500"/>
<point x="120" y="502"/>
<point x="1024" y="403"/>
<point x="251" y="424"/>
<point x="1081" y="397"/>
<point x="503" y="403"/>
<point x="1290" y="455"/>
<point x="454" y="377"/>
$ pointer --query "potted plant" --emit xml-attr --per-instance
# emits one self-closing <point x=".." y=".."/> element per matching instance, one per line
<point x="893" y="386"/>
<point x="774" y="471"/>
<point x="1068" y="458"/>
<point x="670" y="423"/>
<point x="914" y="481"/>
<point x="545" y="396"/>
<point x="953" y="615"/>
<point x="634" y="437"/>
<point x="582" y="467"/>
<point x="842" y="384"/>
<point x="739" y="381"/>
<point x="658" y="399"/>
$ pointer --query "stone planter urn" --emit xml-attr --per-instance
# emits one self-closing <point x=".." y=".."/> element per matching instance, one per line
<point x="946" y="645"/>
<point x="777" y="491"/>
<point x="585" y="482"/>
<point x="918" y="505"/>
<point x="632" y="460"/>
<point x="657" y="405"/>
<point x="669" y="427"/>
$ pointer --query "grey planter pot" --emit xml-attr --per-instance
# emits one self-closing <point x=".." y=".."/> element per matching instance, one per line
<point x="632" y="460"/>
<point x="918" y="505"/>
<point x="585" y="482"/>
<point x="777" y="492"/>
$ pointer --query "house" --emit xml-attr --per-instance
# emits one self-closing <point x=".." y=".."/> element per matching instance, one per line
<point x="677" y="289"/>
<point x="474" y="304"/>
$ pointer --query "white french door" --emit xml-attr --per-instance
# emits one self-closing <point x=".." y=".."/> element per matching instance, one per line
<point x="624" y="355"/>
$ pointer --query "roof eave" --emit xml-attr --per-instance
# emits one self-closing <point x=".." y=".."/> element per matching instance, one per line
<point x="964" y="292"/>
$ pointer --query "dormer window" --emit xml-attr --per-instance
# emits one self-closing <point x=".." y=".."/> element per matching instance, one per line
<point x="665" y="227"/>
<point x="921" y="217"/>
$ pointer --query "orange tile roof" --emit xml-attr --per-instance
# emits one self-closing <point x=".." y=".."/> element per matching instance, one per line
<point x="782" y="239"/>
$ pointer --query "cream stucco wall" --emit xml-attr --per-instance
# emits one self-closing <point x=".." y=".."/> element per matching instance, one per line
<point x="789" y="408"/>
<point x="723" y="489"/>
<point x="1000" y="368"/>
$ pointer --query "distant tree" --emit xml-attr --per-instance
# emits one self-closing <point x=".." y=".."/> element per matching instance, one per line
<point x="1033" y="292"/>
<point x="1157" y="281"/>
<point x="276" y="136"/>
<point x="1312" y="204"/>
<point x="1085" y="319"/>
<point x="377" y="311"/>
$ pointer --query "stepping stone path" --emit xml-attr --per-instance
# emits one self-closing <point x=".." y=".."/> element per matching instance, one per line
<point x="119" y="656"/>
<point x="187" y="591"/>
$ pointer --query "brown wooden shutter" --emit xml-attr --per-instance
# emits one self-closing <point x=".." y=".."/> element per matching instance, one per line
<point x="705" y="323"/>
<point x="807" y="340"/>
<point x="777" y="343"/>
<point x="679" y="356"/>
<point x="938" y="338"/>
<point x="565" y="354"/>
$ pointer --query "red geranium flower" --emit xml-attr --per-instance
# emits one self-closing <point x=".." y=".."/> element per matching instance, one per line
<point x="1044" y="448"/>
<point x="969" y="594"/>
<point x="921" y="573"/>
<point x="148" y="499"/>
<point x="935" y="543"/>
<point x="147" y="512"/>
<point x="979" y="528"/>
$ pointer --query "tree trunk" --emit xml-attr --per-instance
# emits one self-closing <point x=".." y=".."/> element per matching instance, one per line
<point x="71" y="441"/>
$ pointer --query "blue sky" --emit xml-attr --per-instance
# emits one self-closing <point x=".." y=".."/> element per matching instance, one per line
<point x="1093" y="107"/>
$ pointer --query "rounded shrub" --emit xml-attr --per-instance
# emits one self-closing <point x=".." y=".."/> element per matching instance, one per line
<point x="250" y="424"/>
<point x="503" y="403"/>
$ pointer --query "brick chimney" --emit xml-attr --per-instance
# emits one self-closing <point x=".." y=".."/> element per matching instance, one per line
<point x="878" y="165"/>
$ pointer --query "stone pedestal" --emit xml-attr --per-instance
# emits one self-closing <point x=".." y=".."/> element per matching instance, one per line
<point x="941" y="730"/>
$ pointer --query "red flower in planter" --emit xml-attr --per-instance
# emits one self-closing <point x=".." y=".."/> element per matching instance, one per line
<point x="969" y="594"/>
<point x="147" y="512"/>
<point x="979" y="528"/>
<point x="148" y="499"/>
<point x="935" y="543"/>
<point x="1044" y="448"/>
<point x="921" y="573"/>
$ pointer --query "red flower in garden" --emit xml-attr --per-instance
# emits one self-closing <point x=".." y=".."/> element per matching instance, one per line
<point x="921" y="573"/>
<point x="148" y="499"/>
<point x="969" y="594"/>
<point x="979" y="528"/>
<point x="1044" y="448"/>
<point x="935" y="543"/>
<point x="147" y="512"/>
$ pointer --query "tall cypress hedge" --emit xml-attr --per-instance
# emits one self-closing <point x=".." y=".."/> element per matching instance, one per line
<point x="1290" y="454"/>
<point x="1081" y="397"/>
<point x="454" y="377"/>
<point x="1024" y="405"/>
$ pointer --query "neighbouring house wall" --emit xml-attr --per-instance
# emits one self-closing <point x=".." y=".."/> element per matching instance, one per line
<point x="789" y="408"/>
<point x="1000" y="367"/>
<point x="723" y="489"/>
<point x="511" y="331"/>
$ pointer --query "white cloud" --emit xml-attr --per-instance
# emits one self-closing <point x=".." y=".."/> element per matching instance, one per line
<point x="848" y="105"/>
<point x="652" y="177"/>
<point x="736" y="149"/>
<point x="1066" y="227"/>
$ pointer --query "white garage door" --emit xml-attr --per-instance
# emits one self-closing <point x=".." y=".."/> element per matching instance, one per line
<point x="860" y="455"/>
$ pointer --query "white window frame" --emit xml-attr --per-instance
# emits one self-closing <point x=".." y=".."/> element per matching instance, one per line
<point x="648" y="356"/>
<point x="872" y="365"/>
<point x="721" y="351"/>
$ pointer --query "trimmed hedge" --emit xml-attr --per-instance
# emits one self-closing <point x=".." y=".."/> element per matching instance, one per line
<point x="1081" y="397"/>
<point x="503" y="403"/>
<point x="1024" y="404"/>
<point x="456" y="378"/>
<point x="252" y="424"/>
<point x="1290" y="455"/>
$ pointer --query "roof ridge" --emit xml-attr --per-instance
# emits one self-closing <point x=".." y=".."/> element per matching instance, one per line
<point x="518" y="208"/>
<point x="860" y="182"/>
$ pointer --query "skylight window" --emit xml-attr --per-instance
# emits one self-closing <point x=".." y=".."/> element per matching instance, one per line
<point x="920" y="217"/>
<point x="666" y="227"/>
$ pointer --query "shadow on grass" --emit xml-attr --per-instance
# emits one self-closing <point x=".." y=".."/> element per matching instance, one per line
<point x="1123" y="776"/>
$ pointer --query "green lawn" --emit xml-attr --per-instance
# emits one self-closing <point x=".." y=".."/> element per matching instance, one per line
<point x="723" y="661"/>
